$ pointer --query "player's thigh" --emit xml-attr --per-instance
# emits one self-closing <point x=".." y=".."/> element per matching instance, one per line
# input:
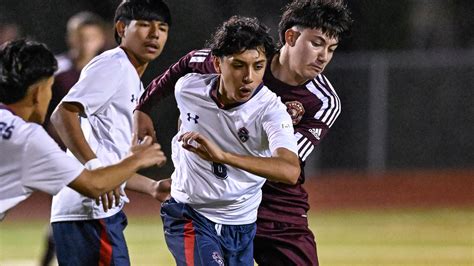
<point x="91" y="242"/>
<point x="284" y="244"/>
<point x="189" y="236"/>
<point x="77" y="242"/>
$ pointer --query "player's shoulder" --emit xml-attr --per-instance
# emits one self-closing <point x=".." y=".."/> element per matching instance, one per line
<point x="15" y="127"/>
<point x="267" y="100"/>
<point x="265" y="96"/>
<point x="111" y="61"/>
<point x="199" y="56"/>
<point x="193" y="81"/>
<point x="321" y="83"/>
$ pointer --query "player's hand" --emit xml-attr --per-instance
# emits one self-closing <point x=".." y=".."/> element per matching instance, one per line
<point x="109" y="198"/>
<point x="143" y="125"/>
<point x="202" y="146"/>
<point x="147" y="153"/>
<point x="162" y="189"/>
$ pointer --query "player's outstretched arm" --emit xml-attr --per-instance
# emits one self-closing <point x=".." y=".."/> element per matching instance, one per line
<point x="283" y="166"/>
<point x="159" y="190"/>
<point x="93" y="183"/>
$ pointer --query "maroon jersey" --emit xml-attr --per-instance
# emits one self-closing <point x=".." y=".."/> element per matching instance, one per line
<point x="313" y="107"/>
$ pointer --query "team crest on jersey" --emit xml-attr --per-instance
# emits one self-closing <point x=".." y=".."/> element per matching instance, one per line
<point x="296" y="111"/>
<point x="217" y="258"/>
<point x="243" y="134"/>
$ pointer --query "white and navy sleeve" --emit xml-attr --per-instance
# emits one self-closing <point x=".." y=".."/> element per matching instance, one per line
<point x="279" y="127"/>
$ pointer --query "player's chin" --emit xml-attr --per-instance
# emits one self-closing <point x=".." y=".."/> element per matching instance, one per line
<point x="149" y="56"/>
<point x="312" y="73"/>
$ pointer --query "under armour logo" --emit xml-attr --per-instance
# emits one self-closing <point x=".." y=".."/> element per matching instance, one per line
<point x="133" y="98"/>
<point x="195" y="118"/>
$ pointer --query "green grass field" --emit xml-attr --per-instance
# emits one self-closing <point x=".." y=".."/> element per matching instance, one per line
<point x="344" y="237"/>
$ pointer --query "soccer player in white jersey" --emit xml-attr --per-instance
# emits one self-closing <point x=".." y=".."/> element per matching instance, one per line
<point x="30" y="159"/>
<point x="310" y="31"/>
<point x="104" y="98"/>
<point x="233" y="131"/>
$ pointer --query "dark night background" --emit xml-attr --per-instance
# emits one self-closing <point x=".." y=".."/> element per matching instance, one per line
<point x="405" y="76"/>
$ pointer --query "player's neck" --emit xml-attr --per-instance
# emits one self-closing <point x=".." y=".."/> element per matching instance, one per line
<point x="21" y="109"/>
<point x="139" y="66"/>
<point x="281" y="69"/>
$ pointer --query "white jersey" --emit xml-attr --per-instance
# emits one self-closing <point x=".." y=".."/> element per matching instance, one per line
<point x="30" y="160"/>
<point x="222" y="193"/>
<point x="109" y="88"/>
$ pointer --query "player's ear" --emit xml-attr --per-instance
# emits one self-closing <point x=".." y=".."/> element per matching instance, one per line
<point x="216" y="61"/>
<point x="120" y="28"/>
<point x="291" y="35"/>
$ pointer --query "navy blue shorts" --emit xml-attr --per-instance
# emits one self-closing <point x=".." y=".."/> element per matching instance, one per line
<point x="92" y="242"/>
<point x="195" y="240"/>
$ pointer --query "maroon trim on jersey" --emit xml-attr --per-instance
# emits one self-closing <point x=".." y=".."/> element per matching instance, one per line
<point x="4" y="107"/>
<point x="214" y="94"/>
<point x="163" y="85"/>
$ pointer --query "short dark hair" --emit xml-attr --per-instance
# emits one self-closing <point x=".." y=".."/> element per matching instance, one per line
<point x="239" y="34"/>
<point x="149" y="10"/>
<point x="331" y="16"/>
<point x="22" y="63"/>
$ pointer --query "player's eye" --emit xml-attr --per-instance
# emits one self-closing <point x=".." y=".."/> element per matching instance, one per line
<point x="143" y="24"/>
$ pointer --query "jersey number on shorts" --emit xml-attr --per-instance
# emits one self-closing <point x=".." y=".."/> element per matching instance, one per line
<point x="219" y="170"/>
<point x="6" y="131"/>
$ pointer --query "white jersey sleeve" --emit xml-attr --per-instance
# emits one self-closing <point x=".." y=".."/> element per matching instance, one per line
<point x="278" y="125"/>
<point x="30" y="160"/>
<point x="96" y="85"/>
<point x="45" y="166"/>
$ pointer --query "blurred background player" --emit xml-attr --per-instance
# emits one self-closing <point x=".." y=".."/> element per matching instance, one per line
<point x="30" y="160"/>
<point x="85" y="38"/>
<point x="233" y="132"/>
<point x="309" y="31"/>
<point x="104" y="99"/>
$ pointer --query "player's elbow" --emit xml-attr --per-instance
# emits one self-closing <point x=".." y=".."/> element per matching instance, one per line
<point x="292" y="174"/>
<point x="289" y="166"/>
<point x="55" y="118"/>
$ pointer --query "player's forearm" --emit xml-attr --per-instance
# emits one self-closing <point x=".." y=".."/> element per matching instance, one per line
<point x="93" y="183"/>
<point x="159" y="190"/>
<point x="283" y="167"/>
<point x="66" y="122"/>
<point x="142" y="184"/>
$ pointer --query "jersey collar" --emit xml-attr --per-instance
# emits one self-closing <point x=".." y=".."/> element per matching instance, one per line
<point x="214" y="94"/>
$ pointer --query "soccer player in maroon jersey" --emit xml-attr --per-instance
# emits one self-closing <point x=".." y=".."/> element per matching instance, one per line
<point x="309" y="32"/>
